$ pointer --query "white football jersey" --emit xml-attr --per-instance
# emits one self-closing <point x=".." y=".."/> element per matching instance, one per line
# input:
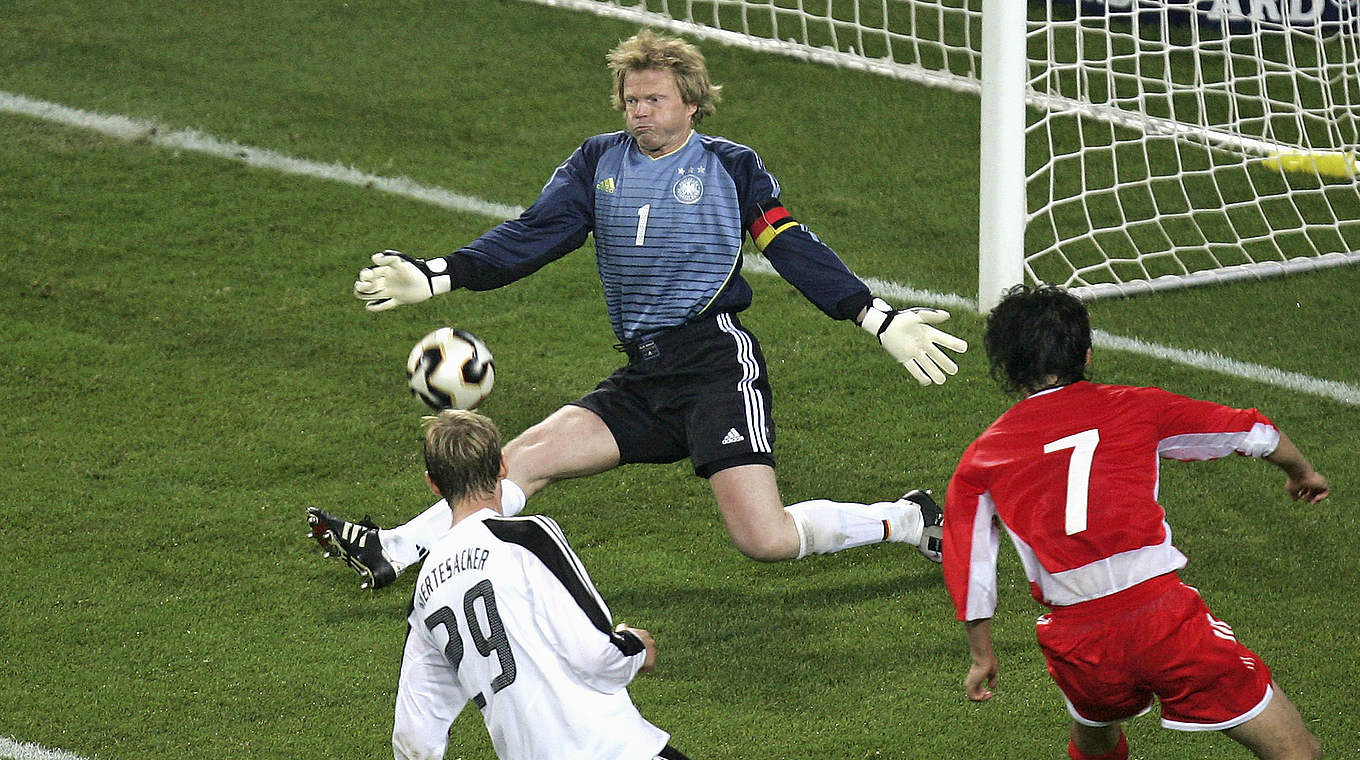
<point x="505" y="616"/>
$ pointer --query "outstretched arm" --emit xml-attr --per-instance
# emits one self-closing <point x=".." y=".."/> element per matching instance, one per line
<point x="396" y="279"/>
<point x="556" y="224"/>
<point x="801" y="258"/>
<point x="910" y="336"/>
<point x="1242" y="431"/>
<point x="1305" y="483"/>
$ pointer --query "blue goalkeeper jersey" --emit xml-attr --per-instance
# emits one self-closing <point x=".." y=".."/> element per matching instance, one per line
<point x="668" y="234"/>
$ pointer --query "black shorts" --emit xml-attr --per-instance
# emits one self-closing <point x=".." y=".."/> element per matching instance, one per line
<point x="699" y="390"/>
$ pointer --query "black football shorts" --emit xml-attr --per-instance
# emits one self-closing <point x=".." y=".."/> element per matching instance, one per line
<point x="699" y="390"/>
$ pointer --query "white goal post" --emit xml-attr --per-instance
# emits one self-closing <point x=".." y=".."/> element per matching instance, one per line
<point x="1132" y="145"/>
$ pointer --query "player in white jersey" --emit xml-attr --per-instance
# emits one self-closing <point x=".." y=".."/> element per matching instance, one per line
<point x="669" y="209"/>
<point x="1071" y="473"/>
<point x="505" y="617"/>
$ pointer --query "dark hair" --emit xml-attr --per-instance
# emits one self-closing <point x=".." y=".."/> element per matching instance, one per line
<point x="1037" y="337"/>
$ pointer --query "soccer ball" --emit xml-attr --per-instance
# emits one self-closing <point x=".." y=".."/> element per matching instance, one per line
<point x="450" y="369"/>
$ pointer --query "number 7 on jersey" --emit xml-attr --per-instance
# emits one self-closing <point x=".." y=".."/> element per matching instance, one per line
<point x="1083" y="447"/>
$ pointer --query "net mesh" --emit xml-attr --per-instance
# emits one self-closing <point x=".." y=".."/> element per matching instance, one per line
<point x="1167" y="143"/>
<point x="1177" y="147"/>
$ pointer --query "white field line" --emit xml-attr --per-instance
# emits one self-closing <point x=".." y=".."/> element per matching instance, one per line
<point x="198" y="142"/>
<point x="194" y="141"/>
<point x="26" y="751"/>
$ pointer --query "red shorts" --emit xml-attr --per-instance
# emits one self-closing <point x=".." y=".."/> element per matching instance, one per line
<point x="1112" y="656"/>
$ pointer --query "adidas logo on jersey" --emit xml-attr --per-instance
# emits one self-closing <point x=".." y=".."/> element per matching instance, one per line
<point x="606" y="186"/>
<point x="732" y="437"/>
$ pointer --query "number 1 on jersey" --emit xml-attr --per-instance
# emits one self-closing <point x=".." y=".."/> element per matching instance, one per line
<point x="1083" y="447"/>
<point x="642" y="213"/>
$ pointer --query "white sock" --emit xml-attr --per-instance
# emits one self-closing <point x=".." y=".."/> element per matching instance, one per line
<point x="407" y="544"/>
<point x="826" y="526"/>
<point x="512" y="497"/>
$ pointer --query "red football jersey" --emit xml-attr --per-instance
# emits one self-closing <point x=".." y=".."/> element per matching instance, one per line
<point x="1072" y="475"/>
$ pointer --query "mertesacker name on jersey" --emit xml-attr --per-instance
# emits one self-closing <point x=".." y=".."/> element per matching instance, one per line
<point x="471" y="558"/>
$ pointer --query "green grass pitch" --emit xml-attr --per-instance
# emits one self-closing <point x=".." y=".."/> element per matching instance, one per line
<point x="185" y="372"/>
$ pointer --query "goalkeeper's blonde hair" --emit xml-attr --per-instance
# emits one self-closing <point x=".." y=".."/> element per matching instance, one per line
<point x="648" y="50"/>
<point x="462" y="454"/>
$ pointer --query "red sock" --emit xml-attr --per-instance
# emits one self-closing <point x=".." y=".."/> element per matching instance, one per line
<point x="1120" y="751"/>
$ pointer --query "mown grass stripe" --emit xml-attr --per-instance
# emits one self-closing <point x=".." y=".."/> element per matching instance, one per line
<point x="127" y="128"/>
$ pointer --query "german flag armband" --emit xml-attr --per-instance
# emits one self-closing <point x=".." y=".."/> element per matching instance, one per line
<point x="769" y="223"/>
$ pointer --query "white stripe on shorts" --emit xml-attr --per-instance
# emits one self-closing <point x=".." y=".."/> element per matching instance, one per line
<point x="755" y="407"/>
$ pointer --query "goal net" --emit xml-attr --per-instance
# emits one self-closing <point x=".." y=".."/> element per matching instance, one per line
<point x="1133" y="145"/>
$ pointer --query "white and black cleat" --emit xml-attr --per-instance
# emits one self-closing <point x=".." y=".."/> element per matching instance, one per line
<point x="356" y="543"/>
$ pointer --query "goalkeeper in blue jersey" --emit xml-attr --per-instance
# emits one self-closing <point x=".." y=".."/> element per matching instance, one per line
<point x="668" y="207"/>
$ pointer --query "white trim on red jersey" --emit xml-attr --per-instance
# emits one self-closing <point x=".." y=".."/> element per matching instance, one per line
<point x="1102" y="577"/>
<point x="1073" y="474"/>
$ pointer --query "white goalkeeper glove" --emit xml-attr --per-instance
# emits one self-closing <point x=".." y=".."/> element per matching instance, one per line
<point x="396" y="279"/>
<point x="910" y="338"/>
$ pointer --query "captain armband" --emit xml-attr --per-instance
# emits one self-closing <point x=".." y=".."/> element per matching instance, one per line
<point x="768" y="225"/>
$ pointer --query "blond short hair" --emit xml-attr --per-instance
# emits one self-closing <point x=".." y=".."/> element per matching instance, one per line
<point x="648" y="50"/>
<point x="462" y="454"/>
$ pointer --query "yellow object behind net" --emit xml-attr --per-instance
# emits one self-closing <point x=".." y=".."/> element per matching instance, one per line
<point x="1334" y="164"/>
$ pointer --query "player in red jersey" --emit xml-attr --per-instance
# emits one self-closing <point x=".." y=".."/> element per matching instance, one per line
<point x="1071" y="473"/>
